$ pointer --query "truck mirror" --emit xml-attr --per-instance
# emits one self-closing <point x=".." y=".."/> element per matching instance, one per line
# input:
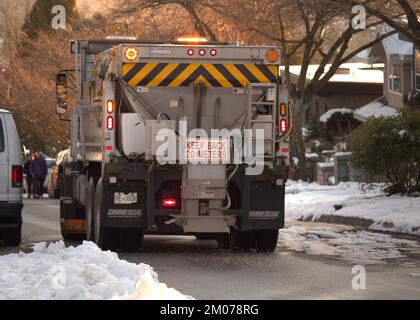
<point x="61" y="91"/>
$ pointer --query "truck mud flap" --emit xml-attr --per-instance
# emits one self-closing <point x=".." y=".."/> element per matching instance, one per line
<point x="266" y="207"/>
<point x="125" y="204"/>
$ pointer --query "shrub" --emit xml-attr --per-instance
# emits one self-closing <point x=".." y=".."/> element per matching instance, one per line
<point x="390" y="147"/>
<point x="316" y="130"/>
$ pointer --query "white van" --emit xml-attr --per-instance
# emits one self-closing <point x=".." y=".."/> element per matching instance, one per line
<point x="11" y="176"/>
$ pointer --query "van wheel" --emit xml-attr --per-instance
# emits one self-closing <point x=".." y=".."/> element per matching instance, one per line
<point x="13" y="236"/>
<point x="90" y="210"/>
<point x="105" y="238"/>
<point x="267" y="240"/>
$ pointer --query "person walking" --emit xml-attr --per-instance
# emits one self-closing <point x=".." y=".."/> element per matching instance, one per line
<point x="29" y="177"/>
<point x="39" y="172"/>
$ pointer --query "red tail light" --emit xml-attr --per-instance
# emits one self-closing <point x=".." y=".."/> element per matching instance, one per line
<point x="169" y="203"/>
<point x="110" y="123"/>
<point x="17" y="176"/>
<point x="284" y="126"/>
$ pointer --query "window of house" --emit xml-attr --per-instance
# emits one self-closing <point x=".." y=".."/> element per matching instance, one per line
<point x="395" y="76"/>
<point x="418" y="69"/>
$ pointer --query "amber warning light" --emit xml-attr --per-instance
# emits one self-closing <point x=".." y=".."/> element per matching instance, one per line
<point x="131" y="54"/>
<point x="272" y="56"/>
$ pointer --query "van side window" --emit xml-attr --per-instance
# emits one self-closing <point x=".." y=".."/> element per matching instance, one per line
<point x="2" y="141"/>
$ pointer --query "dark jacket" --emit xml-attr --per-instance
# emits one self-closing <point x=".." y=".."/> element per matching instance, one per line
<point x="27" y="169"/>
<point x="39" y="167"/>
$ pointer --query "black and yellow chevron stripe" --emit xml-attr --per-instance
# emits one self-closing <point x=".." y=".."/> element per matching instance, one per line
<point x="152" y="74"/>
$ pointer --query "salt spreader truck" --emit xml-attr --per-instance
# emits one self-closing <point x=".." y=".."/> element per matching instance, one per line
<point x="131" y="99"/>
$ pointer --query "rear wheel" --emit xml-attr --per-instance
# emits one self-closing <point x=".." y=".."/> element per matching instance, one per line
<point x="204" y="237"/>
<point x="105" y="238"/>
<point x="13" y="236"/>
<point x="131" y="239"/>
<point x="245" y="241"/>
<point x="223" y="241"/>
<point x="267" y="240"/>
<point x="72" y="237"/>
<point x="90" y="210"/>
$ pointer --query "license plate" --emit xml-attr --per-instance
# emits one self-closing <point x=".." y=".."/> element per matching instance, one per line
<point x="123" y="198"/>
<point x="208" y="150"/>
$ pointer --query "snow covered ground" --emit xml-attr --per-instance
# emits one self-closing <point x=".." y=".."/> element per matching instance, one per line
<point x="311" y="201"/>
<point x="83" y="272"/>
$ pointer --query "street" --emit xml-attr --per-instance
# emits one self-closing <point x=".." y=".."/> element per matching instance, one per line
<point x="201" y="270"/>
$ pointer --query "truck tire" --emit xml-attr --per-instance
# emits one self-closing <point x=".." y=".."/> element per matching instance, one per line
<point x="267" y="240"/>
<point x="204" y="237"/>
<point x="90" y="210"/>
<point x="245" y="241"/>
<point x="131" y="239"/>
<point x="72" y="237"/>
<point x="105" y="238"/>
<point x="13" y="236"/>
<point x="223" y="241"/>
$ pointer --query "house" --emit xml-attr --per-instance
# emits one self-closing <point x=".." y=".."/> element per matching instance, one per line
<point x="353" y="86"/>
<point x="397" y="54"/>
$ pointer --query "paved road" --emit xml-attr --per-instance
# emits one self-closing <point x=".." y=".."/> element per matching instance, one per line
<point x="199" y="269"/>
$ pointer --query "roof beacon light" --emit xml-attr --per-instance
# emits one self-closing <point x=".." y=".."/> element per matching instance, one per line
<point x="192" y="40"/>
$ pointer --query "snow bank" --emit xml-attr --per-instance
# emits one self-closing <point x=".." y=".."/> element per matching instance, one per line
<point x="84" y="272"/>
<point x="326" y="116"/>
<point x="355" y="247"/>
<point x="396" y="213"/>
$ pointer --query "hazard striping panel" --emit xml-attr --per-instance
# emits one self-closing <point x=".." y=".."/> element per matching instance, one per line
<point x="152" y="74"/>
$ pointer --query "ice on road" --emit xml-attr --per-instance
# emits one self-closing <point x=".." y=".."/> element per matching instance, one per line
<point x="83" y="272"/>
<point x="362" y="247"/>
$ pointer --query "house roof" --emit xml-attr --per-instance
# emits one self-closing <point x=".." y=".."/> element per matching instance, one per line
<point x="375" y="109"/>
<point x="347" y="73"/>
<point x="393" y="47"/>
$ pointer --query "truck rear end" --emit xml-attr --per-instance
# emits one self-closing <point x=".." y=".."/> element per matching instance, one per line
<point x="183" y="138"/>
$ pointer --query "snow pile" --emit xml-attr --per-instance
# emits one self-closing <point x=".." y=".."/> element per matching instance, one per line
<point x="355" y="247"/>
<point x="83" y="273"/>
<point x="327" y="116"/>
<point x="311" y="201"/>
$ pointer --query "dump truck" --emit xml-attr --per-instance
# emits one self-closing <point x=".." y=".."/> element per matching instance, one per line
<point x="188" y="137"/>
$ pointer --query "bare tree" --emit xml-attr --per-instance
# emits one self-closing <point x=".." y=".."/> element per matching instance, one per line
<point x="402" y="15"/>
<point x="12" y="17"/>
<point x="190" y="6"/>
<point x="308" y="32"/>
